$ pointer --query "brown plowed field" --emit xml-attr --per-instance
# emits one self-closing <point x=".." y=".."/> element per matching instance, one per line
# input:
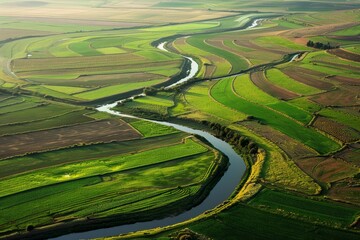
<point x="345" y="54"/>
<point x="100" y="131"/>
<point x="259" y="79"/>
<point x="306" y="78"/>
<point x="350" y="154"/>
<point x="290" y="146"/>
<point x="337" y="130"/>
<point x="347" y="190"/>
<point x="345" y="80"/>
<point x="339" y="97"/>
<point x="327" y="169"/>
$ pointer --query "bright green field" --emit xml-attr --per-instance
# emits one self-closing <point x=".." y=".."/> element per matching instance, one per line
<point x="245" y="88"/>
<point x="98" y="166"/>
<point x="282" y="80"/>
<point x="223" y="93"/>
<point x="149" y="129"/>
<point x="199" y="98"/>
<point x="116" y="89"/>
<point x="82" y="181"/>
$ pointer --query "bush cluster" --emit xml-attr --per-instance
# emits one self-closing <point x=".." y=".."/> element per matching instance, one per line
<point x="242" y="143"/>
<point x="320" y="45"/>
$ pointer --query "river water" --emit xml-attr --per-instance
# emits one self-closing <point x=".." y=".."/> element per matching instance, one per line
<point x="220" y="192"/>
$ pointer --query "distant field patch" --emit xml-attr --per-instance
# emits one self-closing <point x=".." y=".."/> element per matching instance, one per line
<point x="279" y="42"/>
<point x="110" y="50"/>
<point x="66" y="90"/>
<point x="116" y="89"/>
<point x="150" y="129"/>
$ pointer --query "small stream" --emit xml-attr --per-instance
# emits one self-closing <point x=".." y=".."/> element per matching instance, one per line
<point x="220" y="192"/>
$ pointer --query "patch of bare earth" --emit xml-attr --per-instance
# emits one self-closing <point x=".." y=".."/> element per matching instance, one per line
<point x="345" y="80"/>
<point x="100" y="131"/>
<point x="307" y="78"/>
<point x="337" y="130"/>
<point x="327" y="169"/>
<point x="345" y="54"/>
<point x="339" y="97"/>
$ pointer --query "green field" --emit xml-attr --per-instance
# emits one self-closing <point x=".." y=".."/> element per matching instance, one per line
<point x="246" y="89"/>
<point x="306" y="209"/>
<point x="280" y="79"/>
<point x="223" y="93"/>
<point x="99" y="177"/>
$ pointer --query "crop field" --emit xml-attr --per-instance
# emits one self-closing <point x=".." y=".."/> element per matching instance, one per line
<point x="337" y="130"/>
<point x="79" y="182"/>
<point x="102" y="131"/>
<point x="198" y="97"/>
<point x="294" y="149"/>
<point x="308" y="77"/>
<point x="245" y="88"/>
<point x="223" y="93"/>
<point x="328" y="170"/>
<point x="279" y="79"/>
<point x="66" y="165"/>
<point x="260" y="80"/>
<point x="319" y="211"/>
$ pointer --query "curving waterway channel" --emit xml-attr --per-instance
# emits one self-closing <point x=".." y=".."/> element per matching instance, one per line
<point x="220" y="192"/>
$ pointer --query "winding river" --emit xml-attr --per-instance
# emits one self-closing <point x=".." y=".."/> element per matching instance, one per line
<point x="221" y="191"/>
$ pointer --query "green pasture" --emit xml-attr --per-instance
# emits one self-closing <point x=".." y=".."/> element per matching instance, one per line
<point x="223" y="93"/>
<point x="330" y="64"/>
<point x="287" y="23"/>
<point x="107" y="195"/>
<point x="83" y="47"/>
<point x="353" y="49"/>
<point x="351" y="31"/>
<point x="305" y="104"/>
<point x="50" y="92"/>
<point x="184" y="27"/>
<point x="342" y="117"/>
<point x="279" y="43"/>
<point x="237" y="63"/>
<point x="282" y="80"/>
<point x="65" y="119"/>
<point x="111" y="50"/>
<point x="98" y="166"/>
<point x="198" y="97"/>
<point x="298" y="207"/>
<point x="66" y="89"/>
<point x="245" y="88"/>
<point x="162" y="99"/>
<point x="115" y="89"/>
<point x="19" y="107"/>
<point x="51" y="159"/>
<point x="231" y="44"/>
<point x="150" y="129"/>
<point x="43" y="26"/>
<point x="40" y="112"/>
<point x="325" y="57"/>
